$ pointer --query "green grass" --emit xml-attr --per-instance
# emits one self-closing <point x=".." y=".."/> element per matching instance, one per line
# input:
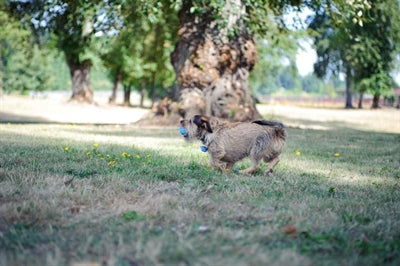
<point x="144" y="197"/>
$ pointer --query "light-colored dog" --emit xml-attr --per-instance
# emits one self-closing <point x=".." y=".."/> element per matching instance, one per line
<point x="228" y="143"/>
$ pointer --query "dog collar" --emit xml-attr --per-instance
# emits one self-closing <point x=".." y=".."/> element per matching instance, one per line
<point x="203" y="148"/>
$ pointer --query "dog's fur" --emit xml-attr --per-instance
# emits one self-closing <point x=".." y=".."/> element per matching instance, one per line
<point x="228" y="143"/>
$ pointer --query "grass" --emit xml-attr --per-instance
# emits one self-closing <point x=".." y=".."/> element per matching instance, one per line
<point x="124" y="195"/>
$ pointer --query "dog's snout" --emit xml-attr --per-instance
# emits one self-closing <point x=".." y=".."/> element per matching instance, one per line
<point x="182" y="121"/>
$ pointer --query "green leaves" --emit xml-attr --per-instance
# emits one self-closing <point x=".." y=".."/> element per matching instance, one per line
<point x="358" y="38"/>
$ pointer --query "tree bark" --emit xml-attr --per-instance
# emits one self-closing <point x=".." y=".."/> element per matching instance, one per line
<point x="127" y="95"/>
<point x="349" y="100"/>
<point x="1" y="76"/>
<point x="80" y="76"/>
<point x="153" y="88"/>
<point x="375" y="101"/>
<point x="142" y="92"/>
<point x="212" y="65"/>
<point x="360" y="100"/>
<point x="117" y="81"/>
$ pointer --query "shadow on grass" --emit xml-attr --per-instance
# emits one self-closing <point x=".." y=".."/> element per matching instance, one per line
<point x="83" y="160"/>
<point x="6" y="118"/>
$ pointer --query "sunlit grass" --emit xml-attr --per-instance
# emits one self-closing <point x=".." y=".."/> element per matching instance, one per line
<point x="127" y="195"/>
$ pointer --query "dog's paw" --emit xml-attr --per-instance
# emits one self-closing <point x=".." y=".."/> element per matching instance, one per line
<point x="245" y="172"/>
<point x="268" y="172"/>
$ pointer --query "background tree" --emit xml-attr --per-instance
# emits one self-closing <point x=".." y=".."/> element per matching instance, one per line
<point x="72" y="25"/>
<point x="275" y="50"/>
<point x="139" y="51"/>
<point x="216" y="52"/>
<point x="361" y="44"/>
<point x="333" y="43"/>
<point x="377" y="46"/>
<point x="23" y="66"/>
<point x="212" y="60"/>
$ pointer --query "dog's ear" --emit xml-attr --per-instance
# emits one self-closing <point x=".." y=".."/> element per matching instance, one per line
<point x="203" y="121"/>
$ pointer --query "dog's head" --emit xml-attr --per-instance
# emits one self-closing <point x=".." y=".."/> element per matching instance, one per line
<point x="196" y="128"/>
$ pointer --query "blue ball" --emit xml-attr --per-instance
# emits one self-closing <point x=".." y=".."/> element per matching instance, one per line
<point x="203" y="148"/>
<point x="182" y="131"/>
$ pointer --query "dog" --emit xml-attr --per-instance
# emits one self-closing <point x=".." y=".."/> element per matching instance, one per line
<point x="228" y="143"/>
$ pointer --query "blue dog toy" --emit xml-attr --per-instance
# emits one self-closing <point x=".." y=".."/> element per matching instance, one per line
<point x="182" y="131"/>
<point x="203" y="148"/>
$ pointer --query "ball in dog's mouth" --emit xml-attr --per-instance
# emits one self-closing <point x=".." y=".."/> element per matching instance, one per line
<point x="183" y="132"/>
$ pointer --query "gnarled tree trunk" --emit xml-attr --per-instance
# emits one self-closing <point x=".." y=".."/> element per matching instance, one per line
<point x="80" y="76"/>
<point x="212" y="67"/>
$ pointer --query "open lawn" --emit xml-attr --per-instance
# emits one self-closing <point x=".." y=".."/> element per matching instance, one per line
<point x="119" y="194"/>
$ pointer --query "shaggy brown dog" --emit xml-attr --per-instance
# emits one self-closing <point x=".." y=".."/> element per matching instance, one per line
<point x="228" y="143"/>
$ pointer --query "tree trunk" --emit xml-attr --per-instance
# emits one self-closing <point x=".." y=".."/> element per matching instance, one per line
<point x="1" y="76"/>
<point x="349" y="100"/>
<point x="153" y="89"/>
<point x="80" y="76"/>
<point x="375" y="101"/>
<point x="127" y="95"/>
<point x="212" y="66"/>
<point x="360" y="100"/>
<point x="143" y="92"/>
<point x="117" y="80"/>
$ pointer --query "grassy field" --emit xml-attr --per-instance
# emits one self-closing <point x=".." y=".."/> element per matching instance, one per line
<point x="125" y="195"/>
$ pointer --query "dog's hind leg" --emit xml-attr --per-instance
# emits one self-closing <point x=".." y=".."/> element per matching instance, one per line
<point x="255" y="165"/>
<point x="272" y="163"/>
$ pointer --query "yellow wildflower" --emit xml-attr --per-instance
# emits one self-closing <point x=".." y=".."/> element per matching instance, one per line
<point x="138" y="156"/>
<point x="336" y="154"/>
<point x="148" y="156"/>
<point x="298" y="153"/>
<point x="96" y="145"/>
<point x="88" y="153"/>
<point x="124" y="154"/>
<point x="66" y="148"/>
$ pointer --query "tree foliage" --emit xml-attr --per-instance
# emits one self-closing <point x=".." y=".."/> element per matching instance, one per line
<point x="138" y="52"/>
<point x="135" y="38"/>
<point x="23" y="66"/>
<point x="363" y="45"/>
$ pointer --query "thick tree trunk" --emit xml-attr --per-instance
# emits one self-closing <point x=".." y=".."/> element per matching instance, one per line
<point x="80" y="76"/>
<point x="117" y="80"/>
<point x="213" y="67"/>
<point x="349" y="99"/>
<point x="375" y="101"/>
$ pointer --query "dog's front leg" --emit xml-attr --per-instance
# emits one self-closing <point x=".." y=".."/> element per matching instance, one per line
<point x="220" y="165"/>
<point x="216" y="162"/>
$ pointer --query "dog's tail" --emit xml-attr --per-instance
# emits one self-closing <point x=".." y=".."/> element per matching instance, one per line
<point x="269" y="123"/>
<point x="280" y="131"/>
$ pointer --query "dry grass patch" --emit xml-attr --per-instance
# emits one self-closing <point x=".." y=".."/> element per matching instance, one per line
<point x="124" y="195"/>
